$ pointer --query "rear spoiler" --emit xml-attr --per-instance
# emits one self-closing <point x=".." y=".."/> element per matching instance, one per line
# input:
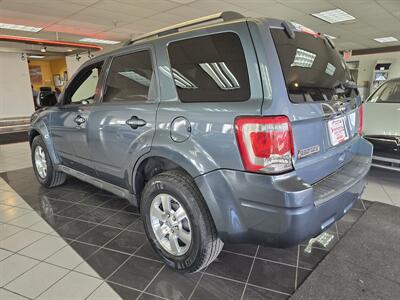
<point x="288" y="27"/>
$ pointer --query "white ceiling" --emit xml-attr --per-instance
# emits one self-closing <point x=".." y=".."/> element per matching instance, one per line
<point x="123" y="19"/>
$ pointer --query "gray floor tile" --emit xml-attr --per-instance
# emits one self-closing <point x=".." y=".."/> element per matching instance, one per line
<point x="104" y="292"/>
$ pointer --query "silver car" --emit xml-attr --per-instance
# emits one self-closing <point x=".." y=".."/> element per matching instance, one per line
<point x="382" y="124"/>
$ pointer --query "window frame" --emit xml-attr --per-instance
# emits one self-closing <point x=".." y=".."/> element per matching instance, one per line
<point x="204" y="35"/>
<point x="76" y="83"/>
<point x="153" y="88"/>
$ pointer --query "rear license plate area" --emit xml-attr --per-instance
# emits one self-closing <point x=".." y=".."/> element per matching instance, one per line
<point x="337" y="131"/>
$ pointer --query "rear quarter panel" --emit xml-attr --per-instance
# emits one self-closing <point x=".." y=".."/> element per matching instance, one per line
<point x="212" y="142"/>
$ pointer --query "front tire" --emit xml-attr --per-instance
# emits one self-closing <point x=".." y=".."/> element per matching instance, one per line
<point x="178" y="223"/>
<point x="44" y="169"/>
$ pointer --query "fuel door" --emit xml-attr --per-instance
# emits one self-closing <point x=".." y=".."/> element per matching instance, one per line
<point x="180" y="129"/>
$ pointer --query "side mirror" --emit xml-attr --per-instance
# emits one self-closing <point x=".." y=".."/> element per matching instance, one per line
<point x="47" y="99"/>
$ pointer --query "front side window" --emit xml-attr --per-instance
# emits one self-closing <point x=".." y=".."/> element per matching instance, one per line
<point x="387" y="93"/>
<point x="84" y="89"/>
<point x="129" y="78"/>
<point x="210" y="68"/>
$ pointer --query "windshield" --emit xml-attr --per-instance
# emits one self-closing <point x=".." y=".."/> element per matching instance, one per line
<point x="313" y="71"/>
<point x="389" y="92"/>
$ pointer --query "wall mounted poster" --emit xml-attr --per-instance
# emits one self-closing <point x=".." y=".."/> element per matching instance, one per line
<point x="35" y="72"/>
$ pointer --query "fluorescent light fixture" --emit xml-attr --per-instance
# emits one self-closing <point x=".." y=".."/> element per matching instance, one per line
<point x="334" y="16"/>
<point x="132" y="75"/>
<point x="182" y="81"/>
<point x="387" y="39"/>
<point x="97" y="41"/>
<point x="36" y="56"/>
<point x="303" y="59"/>
<point x="20" y="27"/>
<point x="330" y="69"/>
<point x="221" y="74"/>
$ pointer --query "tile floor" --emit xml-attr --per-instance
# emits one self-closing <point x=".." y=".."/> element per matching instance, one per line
<point x="78" y="242"/>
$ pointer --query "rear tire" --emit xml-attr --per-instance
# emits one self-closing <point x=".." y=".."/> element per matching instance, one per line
<point x="43" y="166"/>
<point x="203" y="246"/>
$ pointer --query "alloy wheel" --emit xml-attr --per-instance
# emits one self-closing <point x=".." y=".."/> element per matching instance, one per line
<point x="170" y="224"/>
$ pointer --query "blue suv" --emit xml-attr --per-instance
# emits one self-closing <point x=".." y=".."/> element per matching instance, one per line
<point x="221" y="129"/>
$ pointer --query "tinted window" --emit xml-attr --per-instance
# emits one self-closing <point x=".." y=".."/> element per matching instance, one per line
<point x="87" y="89"/>
<point x="313" y="71"/>
<point x="82" y="89"/>
<point x="129" y="77"/>
<point x="387" y="93"/>
<point x="210" y="69"/>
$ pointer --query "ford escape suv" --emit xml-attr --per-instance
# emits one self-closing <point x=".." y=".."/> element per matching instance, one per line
<point x="235" y="130"/>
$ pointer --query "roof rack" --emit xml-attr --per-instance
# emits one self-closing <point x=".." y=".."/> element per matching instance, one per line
<point x="225" y="16"/>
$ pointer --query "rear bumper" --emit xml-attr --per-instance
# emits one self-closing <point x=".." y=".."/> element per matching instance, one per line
<point x="283" y="210"/>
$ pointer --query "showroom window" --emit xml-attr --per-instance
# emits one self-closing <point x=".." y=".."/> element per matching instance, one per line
<point x="129" y="78"/>
<point x="210" y="68"/>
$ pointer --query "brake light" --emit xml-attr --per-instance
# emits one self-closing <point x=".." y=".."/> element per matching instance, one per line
<point x="360" y="119"/>
<point x="265" y="143"/>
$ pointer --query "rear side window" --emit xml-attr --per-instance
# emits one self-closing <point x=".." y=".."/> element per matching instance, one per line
<point x="210" y="69"/>
<point x="129" y="77"/>
<point x="313" y="71"/>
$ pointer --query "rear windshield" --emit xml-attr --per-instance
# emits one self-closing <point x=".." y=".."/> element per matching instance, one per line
<point x="313" y="71"/>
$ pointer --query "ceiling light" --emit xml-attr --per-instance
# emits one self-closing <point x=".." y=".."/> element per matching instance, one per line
<point x="19" y="27"/>
<point x="43" y="49"/>
<point x="334" y="16"/>
<point x="36" y="56"/>
<point x="92" y="40"/>
<point x="70" y="50"/>
<point x="387" y="39"/>
<point x="303" y="59"/>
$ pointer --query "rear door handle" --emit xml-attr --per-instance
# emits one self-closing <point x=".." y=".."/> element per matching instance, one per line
<point x="134" y="122"/>
<point x="79" y="120"/>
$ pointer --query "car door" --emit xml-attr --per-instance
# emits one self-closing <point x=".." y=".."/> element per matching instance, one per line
<point x="121" y="127"/>
<point x="69" y="120"/>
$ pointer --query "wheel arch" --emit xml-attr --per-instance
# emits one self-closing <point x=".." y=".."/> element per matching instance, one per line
<point x="40" y="129"/>
<point x="152" y="164"/>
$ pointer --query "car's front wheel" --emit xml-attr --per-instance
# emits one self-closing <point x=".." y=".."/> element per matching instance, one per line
<point x="44" y="169"/>
<point x="178" y="223"/>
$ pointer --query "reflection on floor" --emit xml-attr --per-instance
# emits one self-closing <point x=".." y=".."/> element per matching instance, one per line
<point x="78" y="238"/>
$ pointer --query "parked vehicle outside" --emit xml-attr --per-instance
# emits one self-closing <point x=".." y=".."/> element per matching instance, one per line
<point x="382" y="124"/>
<point x="242" y="131"/>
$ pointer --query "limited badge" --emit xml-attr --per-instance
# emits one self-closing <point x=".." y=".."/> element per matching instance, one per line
<point x="308" y="151"/>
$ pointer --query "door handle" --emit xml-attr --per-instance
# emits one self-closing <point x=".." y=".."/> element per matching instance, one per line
<point x="134" y="122"/>
<point x="79" y="120"/>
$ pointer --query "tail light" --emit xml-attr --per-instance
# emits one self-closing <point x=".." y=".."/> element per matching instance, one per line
<point x="265" y="143"/>
<point x="360" y="119"/>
